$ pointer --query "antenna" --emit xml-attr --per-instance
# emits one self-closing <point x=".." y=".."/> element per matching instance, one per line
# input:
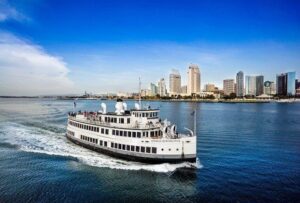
<point x="140" y="101"/>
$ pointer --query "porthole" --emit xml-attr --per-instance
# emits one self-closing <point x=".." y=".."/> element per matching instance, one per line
<point x="162" y="149"/>
<point x="169" y="149"/>
<point x="177" y="149"/>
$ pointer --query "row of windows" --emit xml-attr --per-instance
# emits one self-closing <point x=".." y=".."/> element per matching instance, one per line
<point x="88" y="127"/>
<point x="136" y="134"/>
<point x="70" y="133"/>
<point x="133" y="148"/>
<point x="118" y="132"/>
<point x="115" y="120"/>
<point x="89" y="139"/>
<point x="148" y="115"/>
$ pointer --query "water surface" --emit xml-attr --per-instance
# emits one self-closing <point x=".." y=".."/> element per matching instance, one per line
<point x="246" y="153"/>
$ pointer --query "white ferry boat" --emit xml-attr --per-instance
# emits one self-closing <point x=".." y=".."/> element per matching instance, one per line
<point x="137" y="134"/>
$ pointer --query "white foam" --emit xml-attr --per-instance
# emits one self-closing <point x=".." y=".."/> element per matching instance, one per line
<point x="33" y="139"/>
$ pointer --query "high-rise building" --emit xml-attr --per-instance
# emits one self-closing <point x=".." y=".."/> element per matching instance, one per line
<point x="162" y="91"/>
<point x="183" y="89"/>
<point x="228" y="86"/>
<point x="240" y="84"/>
<point x="194" y="80"/>
<point x="297" y="84"/>
<point x="269" y="88"/>
<point x="254" y="85"/>
<point x="175" y="82"/>
<point x="286" y="84"/>
<point x="250" y="85"/>
<point x="153" y="89"/>
<point x="259" y="85"/>
<point x="209" y="87"/>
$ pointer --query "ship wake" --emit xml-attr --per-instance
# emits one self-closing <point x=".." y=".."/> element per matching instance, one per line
<point x="39" y="140"/>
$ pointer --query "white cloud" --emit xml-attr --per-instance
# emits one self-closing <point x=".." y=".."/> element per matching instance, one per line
<point x="7" y="12"/>
<point x="26" y="69"/>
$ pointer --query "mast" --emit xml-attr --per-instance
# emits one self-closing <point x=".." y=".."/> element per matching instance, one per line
<point x="140" y="100"/>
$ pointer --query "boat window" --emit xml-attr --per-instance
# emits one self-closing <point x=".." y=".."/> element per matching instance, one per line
<point x="121" y="133"/>
<point x="125" y="133"/>
<point x="102" y="130"/>
<point x="120" y="146"/>
<point x="128" y="147"/>
<point x="105" y="144"/>
<point x="113" y="132"/>
<point x="144" y="133"/>
<point x="148" y="149"/>
<point x="101" y="142"/>
<point x="97" y="129"/>
<point x="128" y="120"/>
<point x="129" y="134"/>
<point x="132" y="148"/>
<point x="123" y="147"/>
<point x="117" y="132"/>
<point x="137" y="149"/>
<point x="106" y="131"/>
<point x="133" y="134"/>
<point x="154" y="150"/>
<point x="142" y="149"/>
<point x="115" y="120"/>
<point x="116" y="145"/>
<point x="152" y="133"/>
<point x="122" y="120"/>
<point x="112" y="145"/>
<point x="139" y="134"/>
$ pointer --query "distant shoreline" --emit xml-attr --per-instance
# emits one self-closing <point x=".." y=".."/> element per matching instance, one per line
<point x="162" y="100"/>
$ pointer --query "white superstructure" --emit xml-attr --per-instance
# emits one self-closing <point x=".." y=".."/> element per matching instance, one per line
<point x="136" y="134"/>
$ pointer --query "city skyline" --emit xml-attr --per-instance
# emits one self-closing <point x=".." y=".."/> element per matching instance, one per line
<point x="65" y="52"/>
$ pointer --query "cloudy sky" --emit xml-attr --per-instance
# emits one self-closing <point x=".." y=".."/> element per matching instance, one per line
<point x="67" y="47"/>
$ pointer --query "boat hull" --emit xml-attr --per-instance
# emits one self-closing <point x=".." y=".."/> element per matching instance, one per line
<point x="130" y="157"/>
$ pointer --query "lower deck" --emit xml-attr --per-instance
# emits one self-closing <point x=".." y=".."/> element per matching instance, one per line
<point x="132" y="156"/>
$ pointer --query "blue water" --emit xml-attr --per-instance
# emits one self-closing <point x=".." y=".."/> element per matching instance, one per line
<point x="246" y="153"/>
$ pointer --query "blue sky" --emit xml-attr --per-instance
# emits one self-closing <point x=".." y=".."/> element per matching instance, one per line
<point x="64" y="46"/>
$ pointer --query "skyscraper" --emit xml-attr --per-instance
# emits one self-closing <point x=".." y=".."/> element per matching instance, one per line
<point x="194" y="80"/>
<point x="153" y="89"/>
<point x="286" y="83"/>
<point x="175" y="82"/>
<point x="259" y="85"/>
<point x="240" y="84"/>
<point x="250" y="85"/>
<point x="162" y="91"/>
<point x="228" y="86"/>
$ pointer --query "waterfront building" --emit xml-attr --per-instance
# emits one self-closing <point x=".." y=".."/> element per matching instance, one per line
<point x="183" y="90"/>
<point x="174" y="82"/>
<point x="153" y="89"/>
<point x="228" y="86"/>
<point x="286" y="84"/>
<point x="209" y="87"/>
<point x="240" y="84"/>
<point x="254" y="85"/>
<point x="269" y="88"/>
<point x="146" y="92"/>
<point x="162" y="91"/>
<point x="194" y="80"/>
<point x="259" y="85"/>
